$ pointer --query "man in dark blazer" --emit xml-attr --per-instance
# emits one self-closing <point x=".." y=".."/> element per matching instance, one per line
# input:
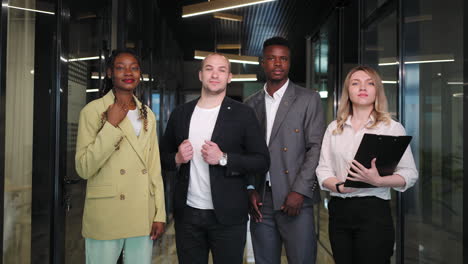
<point x="213" y="142"/>
<point x="292" y="120"/>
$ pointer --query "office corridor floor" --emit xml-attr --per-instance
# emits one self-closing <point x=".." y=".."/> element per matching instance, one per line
<point x="165" y="249"/>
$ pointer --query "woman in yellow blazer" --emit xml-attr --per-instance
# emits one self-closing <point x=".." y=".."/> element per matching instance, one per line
<point x="118" y="153"/>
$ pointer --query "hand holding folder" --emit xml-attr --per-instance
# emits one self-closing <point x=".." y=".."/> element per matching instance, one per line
<point x="387" y="149"/>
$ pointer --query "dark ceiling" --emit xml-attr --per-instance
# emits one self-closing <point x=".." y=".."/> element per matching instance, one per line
<point x="292" y="19"/>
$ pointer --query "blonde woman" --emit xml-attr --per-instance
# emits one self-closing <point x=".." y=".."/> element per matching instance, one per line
<point x="360" y="224"/>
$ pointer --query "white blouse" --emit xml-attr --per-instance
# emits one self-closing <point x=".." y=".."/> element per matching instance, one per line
<point x="339" y="150"/>
<point x="134" y="116"/>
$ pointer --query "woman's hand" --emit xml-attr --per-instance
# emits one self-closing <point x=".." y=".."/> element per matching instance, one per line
<point x="116" y="113"/>
<point x="364" y="174"/>
<point x="344" y="189"/>
<point x="157" y="229"/>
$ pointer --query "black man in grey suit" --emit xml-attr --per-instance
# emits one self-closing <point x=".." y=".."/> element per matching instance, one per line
<point x="282" y="200"/>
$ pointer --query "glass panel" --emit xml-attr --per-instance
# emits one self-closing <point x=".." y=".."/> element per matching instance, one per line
<point x="433" y="103"/>
<point x="371" y="5"/>
<point x="350" y="40"/>
<point x="324" y="77"/>
<point x="156" y="104"/>
<point x="89" y="41"/>
<point x="22" y="71"/>
<point x="380" y="52"/>
<point x="324" y="74"/>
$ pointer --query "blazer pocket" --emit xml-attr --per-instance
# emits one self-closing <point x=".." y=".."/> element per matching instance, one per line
<point x="102" y="191"/>
<point x="151" y="189"/>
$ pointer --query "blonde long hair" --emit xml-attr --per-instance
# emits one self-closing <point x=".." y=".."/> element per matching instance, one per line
<point x="345" y="108"/>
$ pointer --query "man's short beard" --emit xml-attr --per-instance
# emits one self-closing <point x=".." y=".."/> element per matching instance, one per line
<point x="275" y="80"/>
<point x="209" y="92"/>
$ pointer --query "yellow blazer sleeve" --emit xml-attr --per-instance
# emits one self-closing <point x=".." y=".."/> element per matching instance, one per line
<point x="157" y="181"/>
<point x="94" y="146"/>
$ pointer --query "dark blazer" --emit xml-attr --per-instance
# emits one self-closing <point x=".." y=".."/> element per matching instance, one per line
<point x="237" y="133"/>
<point x="295" y="142"/>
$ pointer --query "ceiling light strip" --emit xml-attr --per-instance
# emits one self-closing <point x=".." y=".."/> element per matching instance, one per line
<point x="388" y="63"/>
<point x="219" y="5"/>
<point x="229" y="17"/>
<point x="416" y="62"/>
<point x="29" y="9"/>
<point x="228" y="46"/>
<point x="428" y="61"/>
<point x="244" y="78"/>
<point x="84" y="58"/>
<point x="233" y="58"/>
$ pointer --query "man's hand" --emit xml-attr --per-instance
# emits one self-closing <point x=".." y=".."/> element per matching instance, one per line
<point x="116" y="113"/>
<point x="185" y="152"/>
<point x="211" y="153"/>
<point x="255" y="205"/>
<point x="157" y="229"/>
<point x="293" y="204"/>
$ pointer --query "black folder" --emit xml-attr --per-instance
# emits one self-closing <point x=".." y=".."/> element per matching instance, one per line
<point x="387" y="149"/>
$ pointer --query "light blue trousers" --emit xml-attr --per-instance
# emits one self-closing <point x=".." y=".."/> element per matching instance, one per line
<point x="135" y="250"/>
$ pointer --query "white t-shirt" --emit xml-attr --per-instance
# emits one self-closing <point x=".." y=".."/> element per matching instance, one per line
<point x="134" y="116"/>
<point x="201" y="128"/>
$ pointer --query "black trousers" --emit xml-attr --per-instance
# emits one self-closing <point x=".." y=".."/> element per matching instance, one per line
<point x="199" y="232"/>
<point x="361" y="230"/>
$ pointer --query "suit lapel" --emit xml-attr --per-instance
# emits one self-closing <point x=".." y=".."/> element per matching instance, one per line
<point x="283" y="109"/>
<point x="186" y="117"/>
<point x="261" y="111"/>
<point x="127" y="128"/>
<point x="224" y="111"/>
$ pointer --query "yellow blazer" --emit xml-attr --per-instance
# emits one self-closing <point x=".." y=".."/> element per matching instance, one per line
<point x="125" y="192"/>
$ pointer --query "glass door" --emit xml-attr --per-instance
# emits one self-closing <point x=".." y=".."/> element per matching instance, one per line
<point x="379" y="50"/>
<point x="88" y="43"/>
<point x="434" y="92"/>
<point x="29" y="131"/>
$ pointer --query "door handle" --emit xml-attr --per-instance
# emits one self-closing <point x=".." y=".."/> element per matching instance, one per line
<point x="71" y="181"/>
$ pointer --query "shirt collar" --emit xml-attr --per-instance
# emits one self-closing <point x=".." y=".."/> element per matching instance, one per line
<point x="278" y="94"/>
<point x="369" y="121"/>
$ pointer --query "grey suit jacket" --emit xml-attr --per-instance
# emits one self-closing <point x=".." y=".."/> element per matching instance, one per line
<point x="295" y="142"/>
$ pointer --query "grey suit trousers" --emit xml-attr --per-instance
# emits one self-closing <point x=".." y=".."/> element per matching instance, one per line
<point x="296" y="232"/>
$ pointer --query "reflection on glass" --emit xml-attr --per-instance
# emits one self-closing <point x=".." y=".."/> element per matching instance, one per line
<point x="19" y="132"/>
<point x="324" y="75"/>
<point x="371" y="5"/>
<point x="433" y="114"/>
<point x="323" y="81"/>
<point x="88" y="40"/>
<point x="155" y="104"/>
<point x="380" y="52"/>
